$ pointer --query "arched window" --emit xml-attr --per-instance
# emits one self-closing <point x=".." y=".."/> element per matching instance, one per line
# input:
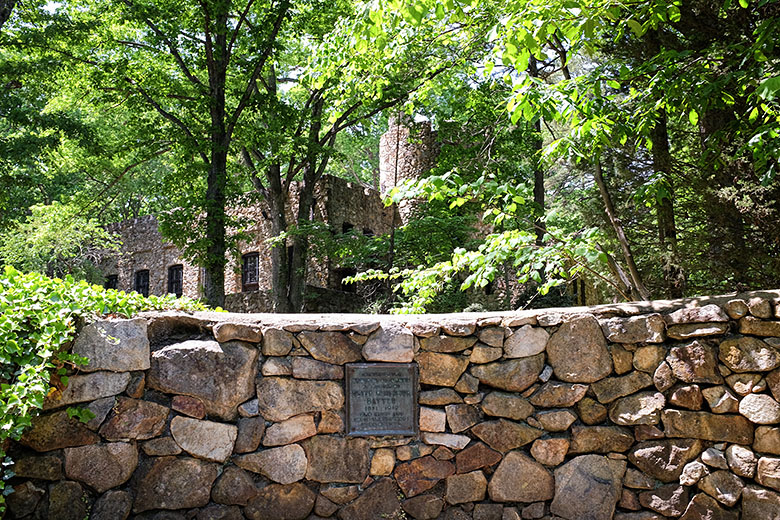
<point x="176" y="280"/>
<point x="142" y="282"/>
<point x="250" y="272"/>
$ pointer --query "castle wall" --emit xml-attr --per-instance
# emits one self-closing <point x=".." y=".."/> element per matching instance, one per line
<point x="638" y="411"/>
<point x="337" y="202"/>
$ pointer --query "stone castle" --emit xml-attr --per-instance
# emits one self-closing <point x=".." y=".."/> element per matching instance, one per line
<point x="150" y="265"/>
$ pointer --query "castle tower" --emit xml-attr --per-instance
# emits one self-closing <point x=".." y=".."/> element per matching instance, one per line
<point x="407" y="151"/>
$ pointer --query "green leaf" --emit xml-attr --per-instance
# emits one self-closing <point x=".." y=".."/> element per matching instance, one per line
<point x="693" y="117"/>
<point x="743" y="3"/>
<point x="636" y="27"/>
<point x="768" y="88"/>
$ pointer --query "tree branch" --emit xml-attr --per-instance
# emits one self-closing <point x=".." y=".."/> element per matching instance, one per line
<point x="283" y="8"/>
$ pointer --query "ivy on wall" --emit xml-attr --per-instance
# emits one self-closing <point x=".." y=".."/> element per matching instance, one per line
<point x="38" y="321"/>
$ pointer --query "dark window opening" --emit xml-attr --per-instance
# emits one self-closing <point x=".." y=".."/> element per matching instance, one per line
<point x="489" y="288"/>
<point x="112" y="282"/>
<point x="176" y="280"/>
<point x="142" y="282"/>
<point x="368" y="232"/>
<point x="342" y="273"/>
<point x="250" y="272"/>
<point x="346" y="227"/>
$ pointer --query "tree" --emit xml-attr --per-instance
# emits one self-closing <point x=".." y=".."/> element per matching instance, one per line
<point x="56" y="240"/>
<point x="706" y="72"/>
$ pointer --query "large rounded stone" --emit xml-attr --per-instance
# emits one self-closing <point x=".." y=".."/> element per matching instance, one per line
<point x="67" y="501"/>
<point x="101" y="466"/>
<point x="421" y="474"/>
<point x="115" y="345"/>
<point x="760" y="409"/>
<point x="670" y="500"/>
<point x="440" y="369"/>
<point x="696" y="315"/>
<point x="558" y="395"/>
<point x="760" y="504"/>
<point x="56" y="430"/>
<point x="641" y="408"/>
<point x="611" y="388"/>
<point x="526" y="341"/>
<point x="335" y="459"/>
<point x="234" y="487"/>
<point x="291" y="430"/>
<point x="285" y="465"/>
<point x="46" y="467"/>
<point x="476" y="456"/>
<point x="447" y="344"/>
<point x="503" y="435"/>
<point x="578" y="351"/>
<point x="514" y="375"/>
<point x="500" y="404"/>
<point x="135" y="419"/>
<point x="694" y="363"/>
<point x="222" y="375"/>
<point x="378" y="501"/>
<point x="705" y="507"/>
<point x="392" y="343"/>
<point x="112" y="505"/>
<point x="24" y="499"/>
<point x="588" y="486"/>
<point x="664" y="459"/>
<point x="423" y="507"/>
<point x="204" y="439"/>
<point x="227" y="331"/>
<point x="521" y="479"/>
<point x="723" y="486"/>
<point x="174" y="483"/>
<point x="707" y="426"/>
<point x="331" y="347"/>
<point x="767" y="440"/>
<point x="768" y="472"/>
<point x="281" y="502"/>
<point x="600" y="439"/>
<point x="88" y="387"/>
<point x="747" y="354"/>
<point x="280" y="398"/>
<point x="635" y="329"/>
<point x="465" y="487"/>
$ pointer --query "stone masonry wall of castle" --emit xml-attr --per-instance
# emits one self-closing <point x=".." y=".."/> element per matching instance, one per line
<point x="338" y="202"/>
<point x="626" y="412"/>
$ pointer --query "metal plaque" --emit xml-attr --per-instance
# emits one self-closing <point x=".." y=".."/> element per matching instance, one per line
<point x="382" y="399"/>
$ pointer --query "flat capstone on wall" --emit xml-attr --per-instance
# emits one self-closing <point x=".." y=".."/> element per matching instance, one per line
<point x="626" y="412"/>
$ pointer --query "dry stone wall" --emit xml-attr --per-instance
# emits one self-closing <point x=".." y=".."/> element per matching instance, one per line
<point x="627" y="412"/>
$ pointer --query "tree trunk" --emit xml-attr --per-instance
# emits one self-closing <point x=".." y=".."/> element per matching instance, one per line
<point x="280" y="299"/>
<point x="638" y="290"/>
<point x="667" y="228"/>
<point x="300" y="249"/>
<point x="6" y="7"/>
<point x="539" y="225"/>
<point x="215" y="262"/>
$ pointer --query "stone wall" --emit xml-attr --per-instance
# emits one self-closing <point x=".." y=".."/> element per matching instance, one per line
<point x="338" y="203"/>
<point x="632" y="412"/>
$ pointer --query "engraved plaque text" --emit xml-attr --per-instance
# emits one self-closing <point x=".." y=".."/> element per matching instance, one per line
<point x="382" y="399"/>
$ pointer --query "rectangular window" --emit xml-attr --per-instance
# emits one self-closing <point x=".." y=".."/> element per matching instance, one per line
<point x="142" y="282"/>
<point x="250" y="272"/>
<point x="112" y="281"/>
<point x="176" y="280"/>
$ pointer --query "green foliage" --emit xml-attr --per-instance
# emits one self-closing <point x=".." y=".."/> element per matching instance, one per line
<point x="57" y="240"/>
<point x="38" y="319"/>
